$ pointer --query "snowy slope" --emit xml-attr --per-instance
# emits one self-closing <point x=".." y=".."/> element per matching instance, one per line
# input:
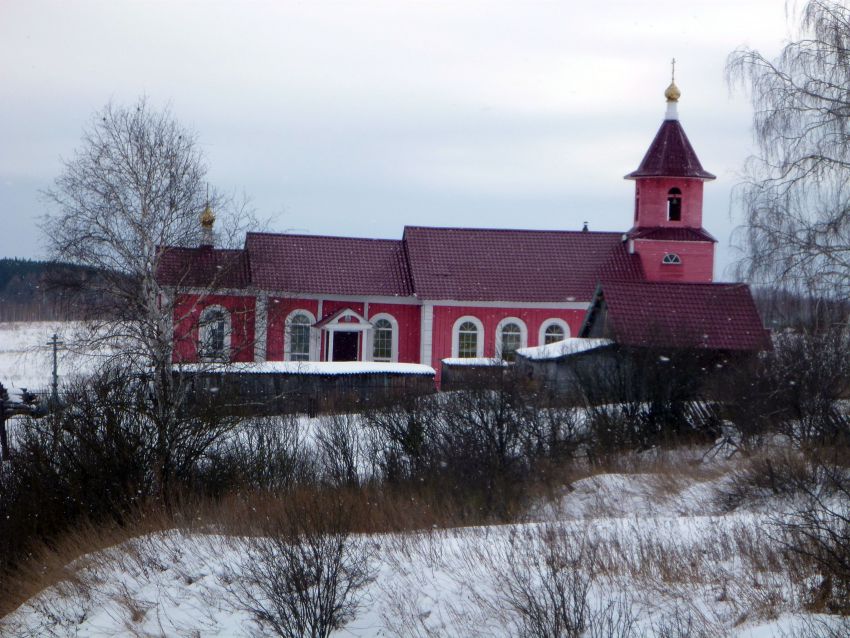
<point x="452" y="582"/>
<point x="26" y="361"/>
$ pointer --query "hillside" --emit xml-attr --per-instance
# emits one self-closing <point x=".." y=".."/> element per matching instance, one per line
<point x="660" y="554"/>
<point x="44" y="290"/>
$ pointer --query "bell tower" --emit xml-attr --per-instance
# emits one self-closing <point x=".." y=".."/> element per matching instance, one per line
<point x="667" y="232"/>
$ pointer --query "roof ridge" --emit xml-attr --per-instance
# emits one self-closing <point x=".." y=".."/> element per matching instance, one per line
<point x="727" y="284"/>
<point x="518" y="230"/>
<point x="346" y="237"/>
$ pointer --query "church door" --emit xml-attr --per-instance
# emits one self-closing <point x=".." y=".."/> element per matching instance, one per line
<point x="345" y="346"/>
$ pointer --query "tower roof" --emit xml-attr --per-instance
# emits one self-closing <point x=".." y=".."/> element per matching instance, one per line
<point x="670" y="155"/>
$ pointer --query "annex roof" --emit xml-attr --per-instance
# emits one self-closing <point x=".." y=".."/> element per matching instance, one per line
<point x="679" y="315"/>
<point x="204" y="267"/>
<point x="515" y="265"/>
<point x="325" y="264"/>
<point x="670" y="155"/>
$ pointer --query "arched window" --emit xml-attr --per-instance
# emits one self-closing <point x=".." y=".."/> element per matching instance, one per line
<point x="511" y="341"/>
<point x="297" y="337"/>
<point x="214" y="334"/>
<point x="637" y="203"/>
<point x="511" y="335"/>
<point x="384" y="338"/>
<point x="674" y="205"/>
<point x="468" y="338"/>
<point x="671" y="259"/>
<point x="553" y="330"/>
<point x="553" y="333"/>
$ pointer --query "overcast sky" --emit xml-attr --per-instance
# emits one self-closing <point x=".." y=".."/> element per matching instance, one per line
<point x="358" y="118"/>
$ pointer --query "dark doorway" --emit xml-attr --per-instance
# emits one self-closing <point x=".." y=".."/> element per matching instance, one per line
<point x="345" y="346"/>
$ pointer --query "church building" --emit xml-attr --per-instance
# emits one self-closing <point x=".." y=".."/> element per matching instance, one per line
<point x="465" y="293"/>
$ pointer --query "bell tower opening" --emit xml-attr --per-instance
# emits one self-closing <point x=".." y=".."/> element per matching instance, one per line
<point x="674" y="205"/>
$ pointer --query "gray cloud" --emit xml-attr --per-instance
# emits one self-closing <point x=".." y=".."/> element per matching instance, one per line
<point x="359" y="118"/>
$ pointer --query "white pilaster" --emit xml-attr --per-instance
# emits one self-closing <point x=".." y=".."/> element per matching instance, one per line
<point x="426" y="333"/>
<point x="261" y="323"/>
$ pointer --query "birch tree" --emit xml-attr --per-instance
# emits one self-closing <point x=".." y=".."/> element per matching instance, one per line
<point x="136" y="185"/>
<point x="795" y="197"/>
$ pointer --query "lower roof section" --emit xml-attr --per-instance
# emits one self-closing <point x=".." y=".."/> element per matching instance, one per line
<point x="677" y="315"/>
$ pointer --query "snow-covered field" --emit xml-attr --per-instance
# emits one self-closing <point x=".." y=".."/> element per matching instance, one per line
<point x="26" y="361"/>
<point x="668" y="560"/>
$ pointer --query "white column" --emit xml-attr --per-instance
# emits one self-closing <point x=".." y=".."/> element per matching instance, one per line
<point x="261" y="325"/>
<point x="426" y="333"/>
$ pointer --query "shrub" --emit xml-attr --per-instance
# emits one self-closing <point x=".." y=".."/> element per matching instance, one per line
<point x="301" y="577"/>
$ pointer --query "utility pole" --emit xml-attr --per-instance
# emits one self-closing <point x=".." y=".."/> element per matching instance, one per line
<point x="56" y="343"/>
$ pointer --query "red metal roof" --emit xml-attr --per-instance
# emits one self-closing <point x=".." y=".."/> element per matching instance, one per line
<point x="331" y="265"/>
<point x="203" y="267"/>
<point x="670" y="155"/>
<point x="515" y="265"/>
<point x="461" y="264"/>
<point x="668" y="233"/>
<point x="681" y="315"/>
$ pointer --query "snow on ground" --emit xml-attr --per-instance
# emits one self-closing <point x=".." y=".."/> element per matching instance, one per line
<point x="26" y="361"/>
<point x="665" y="552"/>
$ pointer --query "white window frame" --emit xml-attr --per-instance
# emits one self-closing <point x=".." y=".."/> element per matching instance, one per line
<point x="479" y="344"/>
<point x="675" y="260"/>
<point x="523" y="330"/>
<point x="371" y="340"/>
<point x="202" y="329"/>
<point x="541" y="337"/>
<point x="287" y="336"/>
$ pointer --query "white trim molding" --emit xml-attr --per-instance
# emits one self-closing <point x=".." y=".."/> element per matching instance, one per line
<point x="523" y="333"/>
<point x="370" y="350"/>
<point x="261" y="326"/>
<point x="479" y="343"/>
<point x="426" y="334"/>
<point x="554" y="321"/>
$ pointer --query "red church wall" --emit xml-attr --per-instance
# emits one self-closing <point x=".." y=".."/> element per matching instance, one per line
<point x="408" y="318"/>
<point x="652" y="201"/>
<point x="446" y="316"/>
<point x="187" y="314"/>
<point x="278" y="310"/>
<point x="697" y="260"/>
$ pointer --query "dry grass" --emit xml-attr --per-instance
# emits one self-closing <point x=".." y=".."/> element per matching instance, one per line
<point x="646" y="567"/>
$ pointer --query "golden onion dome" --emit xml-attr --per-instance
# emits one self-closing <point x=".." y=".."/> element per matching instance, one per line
<point x="207" y="217"/>
<point x="672" y="93"/>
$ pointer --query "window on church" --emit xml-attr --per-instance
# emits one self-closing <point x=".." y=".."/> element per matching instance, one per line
<point x="553" y="333"/>
<point x="382" y="341"/>
<point x="299" y="338"/>
<point x="671" y="258"/>
<point x="637" y="203"/>
<point x="214" y="334"/>
<point x="511" y="340"/>
<point x="674" y="205"/>
<point x="467" y="340"/>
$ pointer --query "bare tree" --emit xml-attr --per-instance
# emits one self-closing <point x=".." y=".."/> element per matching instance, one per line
<point x="135" y="187"/>
<point x="796" y="193"/>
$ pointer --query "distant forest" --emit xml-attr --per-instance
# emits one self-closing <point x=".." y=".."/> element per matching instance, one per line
<point x="44" y="290"/>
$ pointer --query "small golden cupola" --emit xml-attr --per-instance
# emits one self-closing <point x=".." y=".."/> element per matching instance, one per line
<point x="207" y="222"/>
<point x="672" y="93"/>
